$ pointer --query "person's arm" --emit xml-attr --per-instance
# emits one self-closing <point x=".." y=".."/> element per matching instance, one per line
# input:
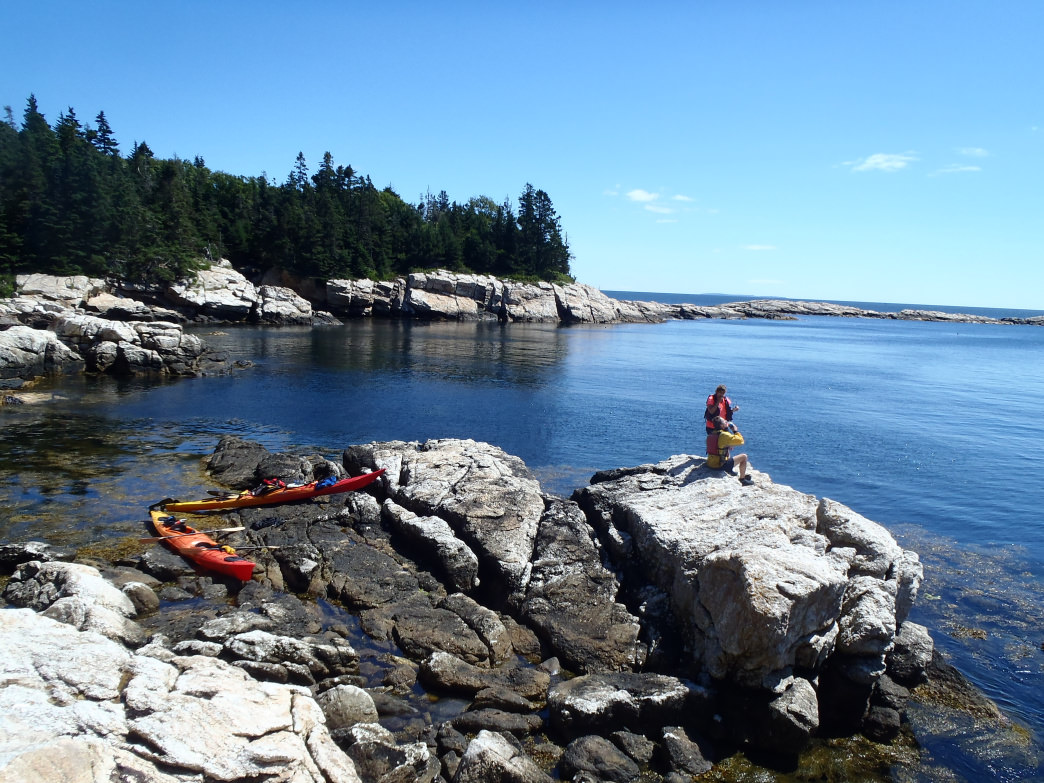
<point x="729" y="439"/>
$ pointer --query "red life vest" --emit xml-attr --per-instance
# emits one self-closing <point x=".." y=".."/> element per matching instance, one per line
<point x="724" y="409"/>
<point x="712" y="444"/>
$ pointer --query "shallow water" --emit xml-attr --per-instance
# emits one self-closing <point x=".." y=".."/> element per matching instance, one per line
<point x="931" y="429"/>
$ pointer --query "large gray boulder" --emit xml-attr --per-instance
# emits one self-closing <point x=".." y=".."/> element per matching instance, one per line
<point x="764" y="581"/>
<point x="489" y="499"/>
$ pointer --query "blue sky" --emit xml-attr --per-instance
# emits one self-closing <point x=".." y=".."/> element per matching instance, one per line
<point x="871" y="151"/>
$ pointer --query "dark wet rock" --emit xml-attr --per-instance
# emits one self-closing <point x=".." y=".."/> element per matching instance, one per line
<point x="599" y="757"/>
<point x="13" y="555"/>
<point x="448" y="739"/>
<point x="638" y="702"/>
<point x="420" y="629"/>
<point x="780" y="722"/>
<point x="389" y="705"/>
<point x="888" y="693"/>
<point x="491" y="756"/>
<point x="881" y="723"/>
<point x="911" y="655"/>
<point x="571" y="598"/>
<point x="637" y="746"/>
<point x="489" y="719"/>
<point x="683" y="754"/>
<point x="445" y="673"/>
<point x="485" y="623"/>
<point x="142" y="596"/>
<point x="500" y="698"/>
<point x="173" y="594"/>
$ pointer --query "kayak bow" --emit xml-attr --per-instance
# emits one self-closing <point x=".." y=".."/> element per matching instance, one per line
<point x="200" y="548"/>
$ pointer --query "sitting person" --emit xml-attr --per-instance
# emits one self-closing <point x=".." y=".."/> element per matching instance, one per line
<point x="719" y="450"/>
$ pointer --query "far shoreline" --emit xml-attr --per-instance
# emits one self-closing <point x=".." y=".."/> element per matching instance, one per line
<point x="712" y="299"/>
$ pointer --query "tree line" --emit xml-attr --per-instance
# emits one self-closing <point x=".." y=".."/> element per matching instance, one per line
<point x="71" y="203"/>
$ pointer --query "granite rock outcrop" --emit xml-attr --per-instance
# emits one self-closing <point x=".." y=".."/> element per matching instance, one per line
<point x="664" y="608"/>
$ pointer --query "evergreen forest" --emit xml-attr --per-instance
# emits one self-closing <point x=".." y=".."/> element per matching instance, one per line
<point x="71" y="203"/>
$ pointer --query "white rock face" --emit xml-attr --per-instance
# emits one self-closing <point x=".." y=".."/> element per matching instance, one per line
<point x="24" y="350"/>
<point x="765" y="578"/>
<point x="78" y="706"/>
<point x="579" y="303"/>
<point x="70" y="291"/>
<point x="220" y="291"/>
<point x="452" y="296"/>
<point x="531" y="303"/>
<point x="77" y="595"/>
<point x="283" y="306"/>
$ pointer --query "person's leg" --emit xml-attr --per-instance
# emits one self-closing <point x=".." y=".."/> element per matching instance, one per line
<point x="741" y="463"/>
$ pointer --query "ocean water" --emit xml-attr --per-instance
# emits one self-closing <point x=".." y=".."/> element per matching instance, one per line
<point x="931" y="429"/>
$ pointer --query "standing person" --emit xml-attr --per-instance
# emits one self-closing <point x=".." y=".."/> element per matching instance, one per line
<point x="718" y="405"/>
<point x="719" y="450"/>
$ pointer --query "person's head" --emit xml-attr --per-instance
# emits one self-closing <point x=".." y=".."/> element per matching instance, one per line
<point x="720" y="391"/>
<point x="720" y="423"/>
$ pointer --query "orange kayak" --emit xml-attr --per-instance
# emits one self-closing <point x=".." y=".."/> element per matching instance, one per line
<point x="200" y="548"/>
<point x="272" y="497"/>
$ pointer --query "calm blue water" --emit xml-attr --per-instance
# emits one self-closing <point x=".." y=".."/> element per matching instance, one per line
<point x="931" y="429"/>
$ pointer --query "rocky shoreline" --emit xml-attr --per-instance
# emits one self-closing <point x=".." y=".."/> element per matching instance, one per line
<point x="456" y="623"/>
<point x="74" y="324"/>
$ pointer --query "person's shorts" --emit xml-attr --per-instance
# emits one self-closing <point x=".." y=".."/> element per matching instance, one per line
<point x="728" y="464"/>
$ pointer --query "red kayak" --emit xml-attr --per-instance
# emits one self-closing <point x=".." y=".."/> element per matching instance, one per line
<point x="271" y="497"/>
<point x="200" y="548"/>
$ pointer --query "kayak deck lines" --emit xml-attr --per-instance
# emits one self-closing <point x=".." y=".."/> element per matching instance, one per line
<point x="271" y="497"/>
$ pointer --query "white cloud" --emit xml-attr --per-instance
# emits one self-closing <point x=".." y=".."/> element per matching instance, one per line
<point x="610" y="193"/>
<point x="760" y="247"/>
<point x="659" y="209"/>
<point x="642" y="195"/>
<point x="667" y="220"/>
<point x="680" y="197"/>
<point x="955" y="168"/>
<point x="974" y="152"/>
<point x="882" y="161"/>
